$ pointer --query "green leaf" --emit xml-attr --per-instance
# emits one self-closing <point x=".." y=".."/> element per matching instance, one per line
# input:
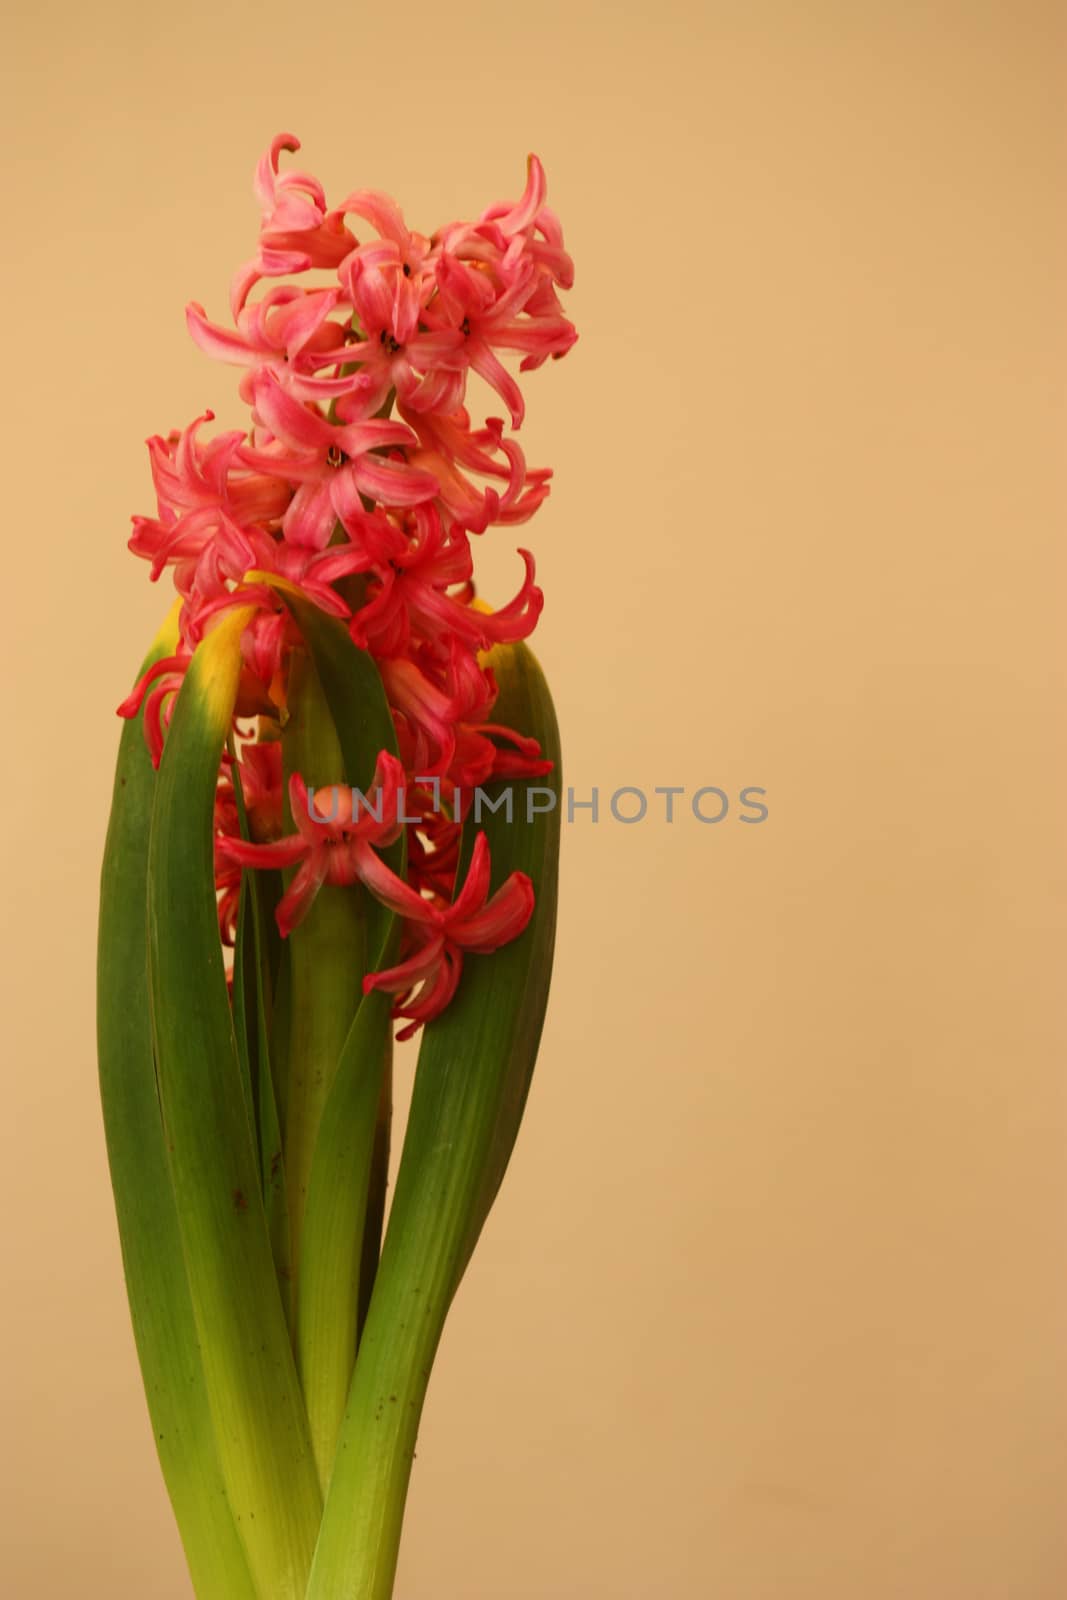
<point x="326" y="956"/>
<point x="156" y="1285"/>
<point x="354" y="693"/>
<point x="347" y="1177"/>
<point x="272" y="1163"/>
<point x="250" y="1377"/>
<point x="245" y="1025"/>
<point x="470" y="1089"/>
<point x="254" y="978"/>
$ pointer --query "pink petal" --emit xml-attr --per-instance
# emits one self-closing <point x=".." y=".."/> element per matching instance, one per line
<point x="502" y="919"/>
<point x="471" y="897"/>
<point x="392" y="891"/>
<point x="533" y="198"/>
<point x="399" y="979"/>
<point x="310" y="520"/>
<point x="392" y="482"/>
<point x="267" y="168"/>
<point x="277" y="853"/>
<point x="215" y="341"/>
<point x="381" y="211"/>
<point x="294" y="424"/>
<point x="296" y="902"/>
<point x="436" y="993"/>
<point x="488" y="367"/>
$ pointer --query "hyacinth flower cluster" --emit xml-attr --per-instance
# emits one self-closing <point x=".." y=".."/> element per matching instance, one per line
<point x="360" y="483"/>
<point x="289" y="804"/>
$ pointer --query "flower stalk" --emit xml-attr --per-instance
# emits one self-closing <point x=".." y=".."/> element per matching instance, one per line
<point x="327" y="955"/>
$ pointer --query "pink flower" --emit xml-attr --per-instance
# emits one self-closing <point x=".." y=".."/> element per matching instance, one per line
<point x="441" y="935"/>
<point x="335" y="829"/>
<point x="196" y="485"/>
<point x="506" y="232"/>
<point x="447" y="442"/>
<point x="332" y="463"/>
<point x="297" y="231"/>
<point x="260" y="770"/>
<point x="483" y="307"/>
<point x="410" y="599"/>
<point x="395" y="273"/>
<point x="155" y="691"/>
<point x="289" y="329"/>
<point x="433" y="702"/>
<point x="260" y="778"/>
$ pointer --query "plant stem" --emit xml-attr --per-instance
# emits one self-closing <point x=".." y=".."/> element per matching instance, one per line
<point x="326" y="955"/>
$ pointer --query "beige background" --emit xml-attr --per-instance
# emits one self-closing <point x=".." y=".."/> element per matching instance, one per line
<point x="773" y="1305"/>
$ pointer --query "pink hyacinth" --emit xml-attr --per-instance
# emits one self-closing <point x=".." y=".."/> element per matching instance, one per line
<point x="361" y="479"/>
<point x="333" y="838"/>
<point x="439" y="934"/>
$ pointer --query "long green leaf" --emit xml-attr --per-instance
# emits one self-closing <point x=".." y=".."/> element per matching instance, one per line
<point x="346" y="1170"/>
<point x="251" y="1381"/>
<point x="245" y="996"/>
<point x="253" y="1007"/>
<point x="271" y="1144"/>
<point x="156" y="1285"/>
<point x="470" y="1088"/>
<point x="326" y="957"/>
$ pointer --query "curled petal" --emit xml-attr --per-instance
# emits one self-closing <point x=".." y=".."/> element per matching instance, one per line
<point x="500" y="920"/>
<point x="488" y="367"/>
<point x="165" y="666"/>
<point x="381" y="211"/>
<point x="525" y="211"/>
<point x="267" y="168"/>
<point x="472" y="896"/>
<point x="518" y="618"/>
<point x="216" y="341"/>
<point x="437" y="991"/>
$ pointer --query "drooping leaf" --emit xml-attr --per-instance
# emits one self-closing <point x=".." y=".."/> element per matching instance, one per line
<point x="156" y="1284"/>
